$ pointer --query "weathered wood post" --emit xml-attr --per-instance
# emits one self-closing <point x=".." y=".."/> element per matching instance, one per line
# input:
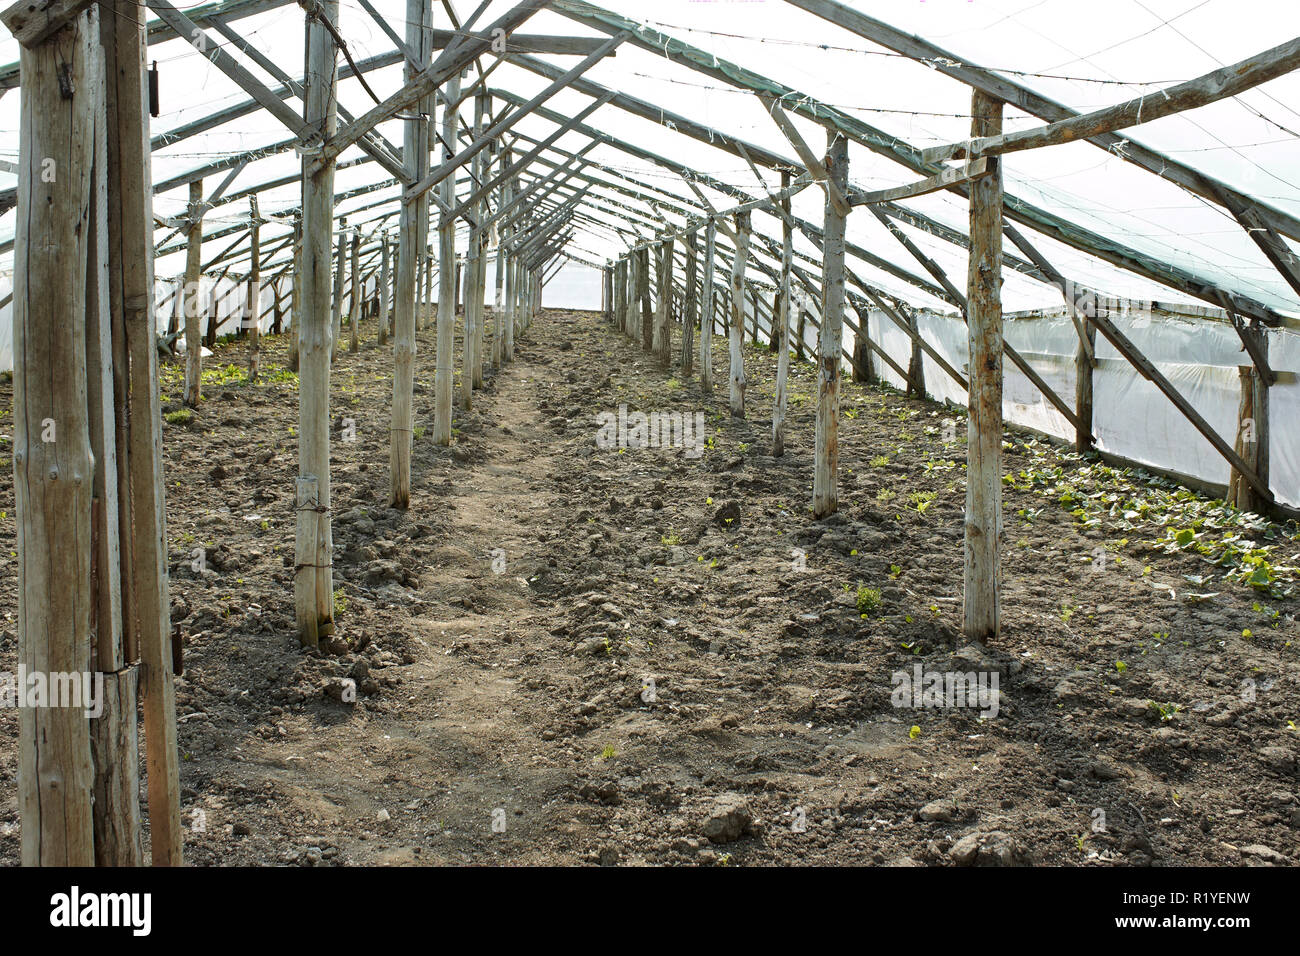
<point x="482" y="109"/>
<point x="114" y="733"/>
<point x="193" y="336"/>
<point x="472" y="276"/>
<point x="512" y="291"/>
<point x="1084" y="362"/>
<point x="253" y="305"/>
<point x="664" y="333"/>
<point x="643" y="291"/>
<point x="313" y="559"/>
<point x="354" y="300"/>
<point x="429" y="306"/>
<point x="607" y="293"/>
<point x="618" y="294"/>
<point x="381" y="333"/>
<point x="863" y="368"/>
<point x="691" y="305"/>
<point x="781" y="334"/>
<point x="405" y="304"/>
<point x="148" y="629"/>
<point x="340" y="277"/>
<point x="737" y="325"/>
<point x="983" y="560"/>
<point x="458" y="285"/>
<point x="633" y="294"/>
<point x="277" y="307"/>
<point x="707" y="307"/>
<point x="916" y="365"/>
<point x="800" y="343"/>
<point x="295" y="293"/>
<point x="443" y="373"/>
<point x="827" y="453"/>
<point x="1252" y="440"/>
<point x="52" y="456"/>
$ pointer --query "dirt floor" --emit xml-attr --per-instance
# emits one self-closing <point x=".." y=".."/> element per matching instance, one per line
<point x="572" y="654"/>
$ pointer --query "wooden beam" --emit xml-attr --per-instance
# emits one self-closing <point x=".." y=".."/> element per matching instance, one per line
<point x="948" y="177"/>
<point x="451" y="163"/>
<point x="805" y="153"/>
<point x="887" y="145"/>
<point x="422" y="85"/>
<point x="1270" y="243"/>
<point x="1022" y="98"/>
<point x="1193" y="94"/>
<point x="227" y="64"/>
<point x="527" y="43"/>
<point x="523" y="162"/>
<point x="32" y="22"/>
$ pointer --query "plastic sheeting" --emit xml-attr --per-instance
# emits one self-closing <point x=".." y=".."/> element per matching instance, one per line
<point x="1131" y="417"/>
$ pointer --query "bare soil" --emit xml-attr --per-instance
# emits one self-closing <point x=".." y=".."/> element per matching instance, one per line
<point x="565" y="654"/>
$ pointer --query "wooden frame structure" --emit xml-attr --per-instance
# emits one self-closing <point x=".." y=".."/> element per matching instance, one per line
<point x="524" y="203"/>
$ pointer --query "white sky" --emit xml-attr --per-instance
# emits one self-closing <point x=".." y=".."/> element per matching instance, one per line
<point x="1143" y="44"/>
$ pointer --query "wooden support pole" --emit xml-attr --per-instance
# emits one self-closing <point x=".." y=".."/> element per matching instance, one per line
<point x="277" y="307"/>
<point x="253" y="304"/>
<point x="1084" y="360"/>
<point x="473" y="290"/>
<point x="863" y="366"/>
<point x="706" y="313"/>
<point x="340" y="277"/>
<point x="295" y="294"/>
<point x="381" y="333"/>
<point x="499" y="279"/>
<point x="354" y="300"/>
<point x="619" y="293"/>
<point x="444" y="370"/>
<point x="826" y="455"/>
<point x="478" y="247"/>
<point x="916" y="364"/>
<point x="781" y="327"/>
<point x="512" y="277"/>
<point x="643" y="292"/>
<point x="691" y="302"/>
<point x="1252" y="441"/>
<point x="663" y="332"/>
<point x="314" y="579"/>
<point x="148" y="631"/>
<point x="52" y="456"/>
<point x="983" y="559"/>
<point x="736" y="328"/>
<point x="193" y="339"/>
<point x="405" y="294"/>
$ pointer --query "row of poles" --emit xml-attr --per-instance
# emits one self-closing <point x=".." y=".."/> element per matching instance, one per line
<point x="649" y="319"/>
<point x="87" y="447"/>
